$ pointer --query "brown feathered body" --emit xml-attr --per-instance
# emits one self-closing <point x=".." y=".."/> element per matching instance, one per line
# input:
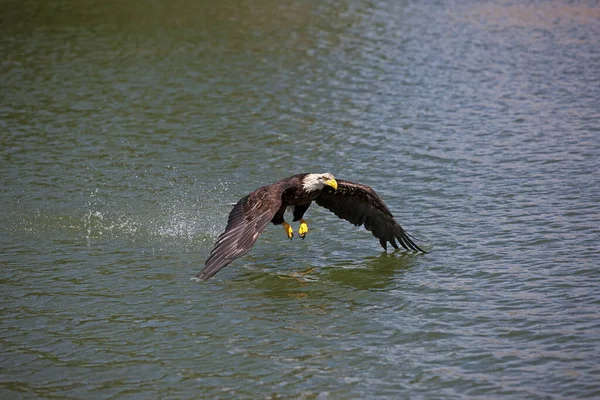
<point x="356" y="203"/>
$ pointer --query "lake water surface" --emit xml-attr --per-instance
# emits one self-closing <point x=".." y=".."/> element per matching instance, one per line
<point x="126" y="130"/>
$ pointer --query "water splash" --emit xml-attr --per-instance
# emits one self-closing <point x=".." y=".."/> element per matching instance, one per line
<point x="95" y="226"/>
<point x="178" y="213"/>
<point x="185" y="214"/>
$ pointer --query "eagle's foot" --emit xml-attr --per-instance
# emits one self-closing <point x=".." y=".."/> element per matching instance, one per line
<point x="288" y="230"/>
<point x="302" y="229"/>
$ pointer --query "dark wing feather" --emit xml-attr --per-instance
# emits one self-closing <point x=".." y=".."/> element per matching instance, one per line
<point x="360" y="205"/>
<point x="246" y="221"/>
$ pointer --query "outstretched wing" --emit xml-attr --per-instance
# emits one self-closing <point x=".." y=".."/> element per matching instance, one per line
<point x="246" y="221"/>
<point x="359" y="204"/>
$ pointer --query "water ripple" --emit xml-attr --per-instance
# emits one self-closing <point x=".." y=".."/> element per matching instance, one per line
<point x="127" y="134"/>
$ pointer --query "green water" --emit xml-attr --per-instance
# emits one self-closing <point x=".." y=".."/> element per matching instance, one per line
<point x="127" y="129"/>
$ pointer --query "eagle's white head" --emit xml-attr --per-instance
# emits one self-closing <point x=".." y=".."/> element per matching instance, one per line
<point x="313" y="182"/>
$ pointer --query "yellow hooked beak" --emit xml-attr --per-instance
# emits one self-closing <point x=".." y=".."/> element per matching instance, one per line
<point x="332" y="182"/>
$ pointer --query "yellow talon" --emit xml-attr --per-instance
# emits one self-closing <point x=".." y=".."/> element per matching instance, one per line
<point x="288" y="230"/>
<point x="302" y="229"/>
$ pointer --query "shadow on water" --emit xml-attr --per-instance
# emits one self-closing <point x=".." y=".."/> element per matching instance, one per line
<point x="368" y="273"/>
<point x="372" y="273"/>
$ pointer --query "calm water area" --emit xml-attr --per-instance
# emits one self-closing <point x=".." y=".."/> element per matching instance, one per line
<point x="128" y="128"/>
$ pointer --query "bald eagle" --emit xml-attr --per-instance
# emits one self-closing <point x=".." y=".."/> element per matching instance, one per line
<point x="356" y="203"/>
